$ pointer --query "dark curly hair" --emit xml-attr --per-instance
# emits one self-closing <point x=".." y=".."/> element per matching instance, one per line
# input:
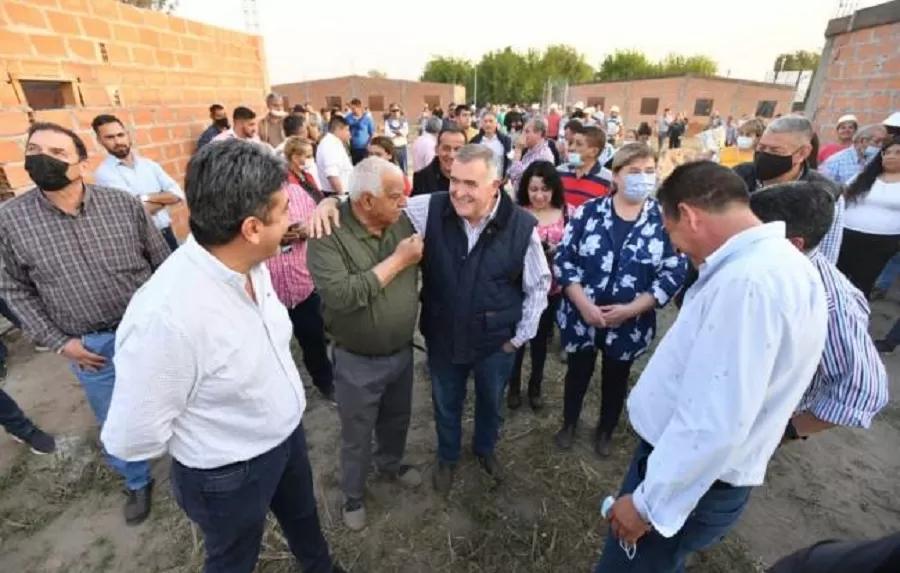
<point x="547" y="172"/>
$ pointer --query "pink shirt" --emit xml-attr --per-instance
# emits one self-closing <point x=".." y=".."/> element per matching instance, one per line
<point x="290" y="276"/>
<point x="423" y="150"/>
<point x="552" y="234"/>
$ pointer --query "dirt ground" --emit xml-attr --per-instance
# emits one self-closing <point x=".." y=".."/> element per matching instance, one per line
<point x="62" y="513"/>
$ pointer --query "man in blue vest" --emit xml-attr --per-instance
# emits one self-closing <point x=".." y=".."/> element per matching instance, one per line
<point x="485" y="281"/>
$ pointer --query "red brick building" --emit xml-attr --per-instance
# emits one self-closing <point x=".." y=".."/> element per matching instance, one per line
<point x="697" y="96"/>
<point x="67" y="61"/>
<point x="859" y="72"/>
<point x="376" y="93"/>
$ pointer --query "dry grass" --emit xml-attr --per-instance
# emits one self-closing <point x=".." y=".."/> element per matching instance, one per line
<point x="544" y="518"/>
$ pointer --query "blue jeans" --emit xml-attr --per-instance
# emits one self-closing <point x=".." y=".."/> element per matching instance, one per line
<point x="400" y="156"/>
<point x="890" y="272"/>
<point x="716" y="513"/>
<point x="230" y="503"/>
<point x="448" y="393"/>
<point x="98" y="388"/>
<point x="12" y="418"/>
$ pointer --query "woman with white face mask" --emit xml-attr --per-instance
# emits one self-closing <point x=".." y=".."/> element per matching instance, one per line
<point x="748" y="134"/>
<point x="616" y="265"/>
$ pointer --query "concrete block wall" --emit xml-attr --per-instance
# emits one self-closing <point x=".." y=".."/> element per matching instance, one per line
<point x="158" y="73"/>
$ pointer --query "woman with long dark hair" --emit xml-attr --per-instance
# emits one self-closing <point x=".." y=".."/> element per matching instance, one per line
<point x="872" y="218"/>
<point x="541" y="193"/>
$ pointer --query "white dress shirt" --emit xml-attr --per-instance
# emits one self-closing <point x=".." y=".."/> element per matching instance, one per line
<point x="203" y="371"/>
<point x="716" y="396"/>
<point x="332" y="160"/>
<point x="536" y="277"/>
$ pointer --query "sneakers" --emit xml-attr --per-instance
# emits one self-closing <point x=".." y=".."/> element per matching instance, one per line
<point x="408" y="477"/>
<point x="491" y="466"/>
<point x="442" y="477"/>
<point x="354" y="513"/>
<point x="565" y="438"/>
<point x="39" y="441"/>
<point x="537" y="403"/>
<point x="137" y="508"/>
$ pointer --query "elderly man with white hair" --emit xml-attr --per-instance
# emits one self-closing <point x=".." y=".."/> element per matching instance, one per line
<point x="531" y="146"/>
<point x="847" y="164"/>
<point x="366" y="275"/>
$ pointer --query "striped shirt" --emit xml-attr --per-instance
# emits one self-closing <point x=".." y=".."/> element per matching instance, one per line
<point x="290" y="275"/>
<point x="595" y="183"/>
<point x="850" y="385"/>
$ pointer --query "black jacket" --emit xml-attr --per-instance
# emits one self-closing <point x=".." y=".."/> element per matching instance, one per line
<point x="429" y="180"/>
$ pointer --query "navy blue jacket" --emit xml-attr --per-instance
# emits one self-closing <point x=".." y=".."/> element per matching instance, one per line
<point x="472" y="301"/>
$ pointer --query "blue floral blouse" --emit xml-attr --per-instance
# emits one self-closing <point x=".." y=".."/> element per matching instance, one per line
<point x="647" y="262"/>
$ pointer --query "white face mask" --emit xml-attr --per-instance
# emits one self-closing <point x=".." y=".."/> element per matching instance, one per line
<point x="310" y="164"/>
<point x="744" y="142"/>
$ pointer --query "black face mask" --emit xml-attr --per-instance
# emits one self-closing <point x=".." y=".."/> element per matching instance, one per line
<point x="222" y="123"/>
<point x="48" y="173"/>
<point x="770" y="166"/>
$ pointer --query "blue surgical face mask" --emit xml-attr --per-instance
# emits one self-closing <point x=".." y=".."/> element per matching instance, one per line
<point x="638" y="186"/>
<point x="575" y="159"/>
<point x="871" y="151"/>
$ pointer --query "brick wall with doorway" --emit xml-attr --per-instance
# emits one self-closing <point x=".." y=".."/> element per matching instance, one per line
<point x="696" y="96"/>
<point x="67" y="61"/>
<point x="859" y="71"/>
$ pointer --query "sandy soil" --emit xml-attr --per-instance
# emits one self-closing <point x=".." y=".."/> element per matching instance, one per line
<point x="63" y="513"/>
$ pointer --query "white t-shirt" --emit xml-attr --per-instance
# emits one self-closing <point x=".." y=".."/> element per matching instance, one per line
<point x="878" y="212"/>
<point x="332" y="160"/>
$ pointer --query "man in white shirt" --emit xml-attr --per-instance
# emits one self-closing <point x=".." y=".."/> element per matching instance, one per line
<point x="205" y="373"/>
<point x="332" y="159"/>
<point x="141" y="177"/>
<point x="424" y="147"/>
<point x="713" y="402"/>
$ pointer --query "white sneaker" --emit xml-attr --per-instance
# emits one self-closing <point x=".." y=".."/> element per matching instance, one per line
<point x="354" y="515"/>
<point x="409" y="477"/>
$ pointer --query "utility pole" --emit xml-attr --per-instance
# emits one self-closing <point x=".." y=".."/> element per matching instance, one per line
<point x="251" y="16"/>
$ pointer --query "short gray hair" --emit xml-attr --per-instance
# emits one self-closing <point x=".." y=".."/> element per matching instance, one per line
<point x="478" y="152"/>
<point x="793" y="124"/>
<point x="273" y="97"/>
<point x="368" y="175"/>
<point x="539" y="125"/>
<point x="868" y="132"/>
<point x="433" y="125"/>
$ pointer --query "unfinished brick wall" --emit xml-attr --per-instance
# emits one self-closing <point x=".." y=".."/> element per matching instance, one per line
<point x="859" y="72"/>
<point x="157" y="73"/>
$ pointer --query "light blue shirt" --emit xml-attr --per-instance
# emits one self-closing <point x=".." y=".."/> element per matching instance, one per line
<point x="145" y="177"/>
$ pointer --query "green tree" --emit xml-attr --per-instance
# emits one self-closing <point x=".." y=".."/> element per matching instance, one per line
<point x="800" y="60"/>
<point x="376" y="74"/>
<point x="446" y="70"/>
<point x="166" y="6"/>
<point x="505" y="75"/>
<point x="697" y="64"/>
<point x="626" y="64"/>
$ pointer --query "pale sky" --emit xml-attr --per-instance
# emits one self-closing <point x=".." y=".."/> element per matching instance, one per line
<point x="313" y="40"/>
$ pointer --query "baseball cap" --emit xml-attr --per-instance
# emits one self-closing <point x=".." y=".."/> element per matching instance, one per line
<point x="849" y="118"/>
<point x="892" y="120"/>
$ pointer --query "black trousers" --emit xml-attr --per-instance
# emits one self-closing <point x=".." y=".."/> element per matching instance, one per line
<point x="357" y="154"/>
<point x="614" y="386"/>
<point x="538" y="346"/>
<point x="309" y="330"/>
<point x="863" y="257"/>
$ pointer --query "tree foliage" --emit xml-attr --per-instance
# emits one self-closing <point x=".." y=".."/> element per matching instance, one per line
<point x="376" y="74"/>
<point x="634" y="64"/>
<point x="508" y="75"/>
<point x="166" y="6"/>
<point x="798" y="61"/>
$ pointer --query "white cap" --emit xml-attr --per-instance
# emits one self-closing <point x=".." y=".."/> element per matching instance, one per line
<point x="553" y="107"/>
<point x="535" y="106"/>
<point x="892" y="120"/>
<point x="589" y="111"/>
<point x="578" y="105"/>
<point x="847" y="119"/>
<point x="614" y="109"/>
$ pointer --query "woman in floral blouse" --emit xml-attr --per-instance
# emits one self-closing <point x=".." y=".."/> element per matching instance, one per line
<point x="616" y="265"/>
<point x="541" y="193"/>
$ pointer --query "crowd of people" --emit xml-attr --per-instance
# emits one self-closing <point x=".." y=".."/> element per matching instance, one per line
<point x="514" y="225"/>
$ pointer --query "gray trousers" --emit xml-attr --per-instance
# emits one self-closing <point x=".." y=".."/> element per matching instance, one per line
<point x="374" y="393"/>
